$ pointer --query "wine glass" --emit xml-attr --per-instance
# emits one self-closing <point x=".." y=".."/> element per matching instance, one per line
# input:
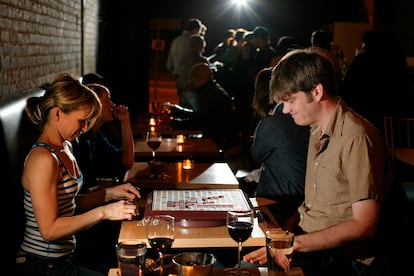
<point x="154" y="140"/>
<point x="240" y="227"/>
<point x="160" y="233"/>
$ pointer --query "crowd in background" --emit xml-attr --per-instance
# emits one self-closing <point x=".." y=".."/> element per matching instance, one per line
<point x="241" y="54"/>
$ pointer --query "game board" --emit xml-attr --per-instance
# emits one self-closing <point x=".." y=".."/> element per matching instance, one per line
<point x="196" y="207"/>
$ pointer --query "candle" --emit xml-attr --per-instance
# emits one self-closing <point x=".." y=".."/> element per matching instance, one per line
<point x="180" y="139"/>
<point x="187" y="164"/>
<point x="180" y="148"/>
<point x="152" y="122"/>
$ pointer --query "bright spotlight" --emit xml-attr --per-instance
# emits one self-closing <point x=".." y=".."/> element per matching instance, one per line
<point x="240" y="2"/>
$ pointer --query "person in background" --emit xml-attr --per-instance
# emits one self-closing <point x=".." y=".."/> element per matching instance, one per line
<point x="348" y="173"/>
<point x="285" y="44"/>
<point x="381" y="69"/>
<point x="92" y="78"/>
<point x="196" y="55"/>
<point x="213" y="108"/>
<point x="261" y="106"/>
<point x="280" y="146"/>
<point x="264" y="50"/>
<point x="180" y="50"/>
<point x="245" y="76"/>
<point x="324" y="39"/>
<point x="262" y="103"/>
<point x="224" y="53"/>
<point x="52" y="179"/>
<point x="99" y="157"/>
<point x="242" y="88"/>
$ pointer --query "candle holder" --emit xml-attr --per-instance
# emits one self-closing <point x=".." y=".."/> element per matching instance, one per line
<point x="188" y="164"/>
<point x="180" y="139"/>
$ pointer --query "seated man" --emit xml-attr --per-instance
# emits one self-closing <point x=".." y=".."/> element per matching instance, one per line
<point x="348" y="172"/>
<point x="214" y="111"/>
<point x="100" y="156"/>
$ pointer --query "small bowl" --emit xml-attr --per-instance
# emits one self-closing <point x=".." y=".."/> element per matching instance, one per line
<point x="194" y="263"/>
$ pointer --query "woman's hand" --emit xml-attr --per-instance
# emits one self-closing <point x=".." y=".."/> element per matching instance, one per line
<point x="122" y="191"/>
<point x="119" y="210"/>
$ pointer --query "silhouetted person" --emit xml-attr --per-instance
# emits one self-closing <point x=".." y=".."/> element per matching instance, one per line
<point x="285" y="44"/>
<point x="322" y="38"/>
<point x="212" y="105"/>
<point x="180" y="51"/>
<point x="264" y="50"/>
<point x="379" y="70"/>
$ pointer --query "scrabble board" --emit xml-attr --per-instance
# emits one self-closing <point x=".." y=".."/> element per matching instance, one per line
<point x="196" y="207"/>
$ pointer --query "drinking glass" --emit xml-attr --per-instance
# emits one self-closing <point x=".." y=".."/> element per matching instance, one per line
<point x="154" y="140"/>
<point x="160" y="233"/>
<point x="240" y="227"/>
<point x="131" y="257"/>
<point x="279" y="247"/>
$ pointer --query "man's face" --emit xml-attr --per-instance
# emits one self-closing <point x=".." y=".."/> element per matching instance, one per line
<point x="301" y="107"/>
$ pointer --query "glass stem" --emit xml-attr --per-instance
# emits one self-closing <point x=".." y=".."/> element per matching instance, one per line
<point x="153" y="155"/>
<point x="239" y="249"/>
<point x="161" y="263"/>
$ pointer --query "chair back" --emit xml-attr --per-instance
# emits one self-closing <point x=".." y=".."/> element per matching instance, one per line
<point x="399" y="132"/>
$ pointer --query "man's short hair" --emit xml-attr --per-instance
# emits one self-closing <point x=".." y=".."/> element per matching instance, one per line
<point x="193" y="24"/>
<point x="261" y="32"/>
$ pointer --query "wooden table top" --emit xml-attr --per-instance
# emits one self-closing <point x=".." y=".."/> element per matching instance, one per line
<point x="405" y="155"/>
<point x="170" y="150"/>
<point x="201" y="176"/>
<point x="161" y="124"/>
<point x="261" y="271"/>
<point x="194" y="237"/>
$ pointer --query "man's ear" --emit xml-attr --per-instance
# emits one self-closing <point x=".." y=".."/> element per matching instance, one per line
<point x="318" y="92"/>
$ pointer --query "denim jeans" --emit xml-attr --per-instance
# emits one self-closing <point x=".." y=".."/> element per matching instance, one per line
<point x="37" y="266"/>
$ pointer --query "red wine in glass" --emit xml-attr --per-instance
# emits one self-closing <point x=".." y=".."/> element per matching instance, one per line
<point x="154" y="145"/>
<point x="154" y="140"/>
<point x="161" y="234"/>
<point x="240" y="227"/>
<point x="240" y="231"/>
<point x="160" y="244"/>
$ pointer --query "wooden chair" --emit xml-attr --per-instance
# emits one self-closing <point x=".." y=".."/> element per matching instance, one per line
<point x="399" y="137"/>
<point x="399" y="132"/>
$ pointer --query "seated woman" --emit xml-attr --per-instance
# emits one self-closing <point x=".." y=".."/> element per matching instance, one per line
<point x="280" y="146"/>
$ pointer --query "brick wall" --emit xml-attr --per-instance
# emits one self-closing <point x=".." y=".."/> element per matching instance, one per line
<point x="40" y="38"/>
<point x="90" y="36"/>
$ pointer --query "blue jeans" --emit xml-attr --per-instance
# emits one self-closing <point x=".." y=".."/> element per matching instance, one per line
<point x="63" y="266"/>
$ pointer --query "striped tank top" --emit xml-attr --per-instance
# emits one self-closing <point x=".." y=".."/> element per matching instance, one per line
<point x="67" y="188"/>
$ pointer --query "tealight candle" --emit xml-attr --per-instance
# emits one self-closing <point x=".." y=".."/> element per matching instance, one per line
<point x="187" y="164"/>
<point x="152" y="122"/>
<point x="180" y="139"/>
